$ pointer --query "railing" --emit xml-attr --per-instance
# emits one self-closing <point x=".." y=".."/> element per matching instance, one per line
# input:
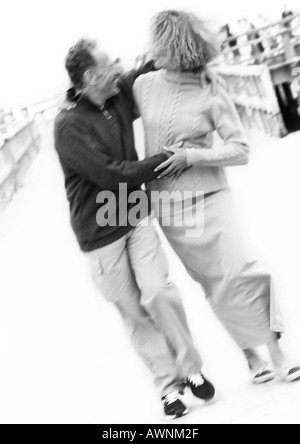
<point x="19" y="144"/>
<point x="252" y="90"/>
<point x="41" y="112"/>
<point x="260" y="68"/>
<point x="270" y="44"/>
<point x="16" y="154"/>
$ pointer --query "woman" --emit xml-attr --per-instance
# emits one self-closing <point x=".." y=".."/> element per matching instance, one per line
<point x="181" y="114"/>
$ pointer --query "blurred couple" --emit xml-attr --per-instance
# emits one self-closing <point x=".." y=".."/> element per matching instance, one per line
<point x="182" y="104"/>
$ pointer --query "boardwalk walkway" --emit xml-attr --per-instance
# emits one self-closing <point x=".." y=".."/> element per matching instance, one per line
<point x="63" y="349"/>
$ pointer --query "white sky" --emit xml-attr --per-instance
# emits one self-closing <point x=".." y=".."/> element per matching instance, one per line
<point x="35" y="34"/>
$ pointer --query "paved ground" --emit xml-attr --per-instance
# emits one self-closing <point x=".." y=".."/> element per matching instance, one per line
<point x="64" y="355"/>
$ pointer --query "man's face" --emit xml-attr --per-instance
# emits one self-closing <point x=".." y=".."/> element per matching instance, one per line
<point x="102" y="82"/>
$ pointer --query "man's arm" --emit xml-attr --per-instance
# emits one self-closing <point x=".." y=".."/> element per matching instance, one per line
<point x="79" y="151"/>
<point x="127" y="81"/>
<point x="126" y="84"/>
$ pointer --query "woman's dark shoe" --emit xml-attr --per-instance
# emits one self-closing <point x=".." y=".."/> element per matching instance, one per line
<point x="201" y="387"/>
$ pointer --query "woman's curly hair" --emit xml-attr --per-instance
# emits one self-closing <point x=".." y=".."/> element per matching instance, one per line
<point x="182" y="42"/>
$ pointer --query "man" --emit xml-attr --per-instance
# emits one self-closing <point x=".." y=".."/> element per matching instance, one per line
<point x="95" y="144"/>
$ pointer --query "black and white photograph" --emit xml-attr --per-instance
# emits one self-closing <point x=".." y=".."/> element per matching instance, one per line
<point x="149" y="215"/>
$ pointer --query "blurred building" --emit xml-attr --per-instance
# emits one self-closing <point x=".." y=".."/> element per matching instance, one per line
<point x="260" y="61"/>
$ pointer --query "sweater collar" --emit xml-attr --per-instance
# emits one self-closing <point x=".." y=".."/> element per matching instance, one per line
<point x="181" y="77"/>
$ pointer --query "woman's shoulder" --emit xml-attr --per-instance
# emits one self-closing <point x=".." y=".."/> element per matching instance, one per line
<point x="219" y="85"/>
<point x="221" y="95"/>
<point x="215" y="89"/>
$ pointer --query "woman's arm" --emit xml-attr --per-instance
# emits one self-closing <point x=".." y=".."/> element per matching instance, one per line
<point x="226" y="121"/>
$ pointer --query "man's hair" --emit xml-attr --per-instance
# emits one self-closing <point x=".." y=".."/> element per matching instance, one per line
<point x="80" y="59"/>
<point x="182" y="42"/>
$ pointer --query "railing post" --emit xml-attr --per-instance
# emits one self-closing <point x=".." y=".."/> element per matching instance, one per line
<point x="288" y="45"/>
<point x="16" y="110"/>
<point x="30" y="113"/>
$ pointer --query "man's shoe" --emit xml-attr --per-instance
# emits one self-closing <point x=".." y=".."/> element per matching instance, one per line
<point x="174" y="407"/>
<point x="201" y="387"/>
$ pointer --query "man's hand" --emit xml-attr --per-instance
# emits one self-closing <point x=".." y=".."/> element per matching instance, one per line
<point x="66" y="105"/>
<point x="176" y="164"/>
<point x="70" y="100"/>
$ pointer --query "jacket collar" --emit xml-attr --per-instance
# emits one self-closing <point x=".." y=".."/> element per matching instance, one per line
<point x="86" y="103"/>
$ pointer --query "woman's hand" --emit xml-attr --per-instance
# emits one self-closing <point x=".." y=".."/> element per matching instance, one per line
<point x="176" y="164"/>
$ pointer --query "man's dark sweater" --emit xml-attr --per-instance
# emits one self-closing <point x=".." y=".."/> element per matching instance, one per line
<point x="97" y="153"/>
